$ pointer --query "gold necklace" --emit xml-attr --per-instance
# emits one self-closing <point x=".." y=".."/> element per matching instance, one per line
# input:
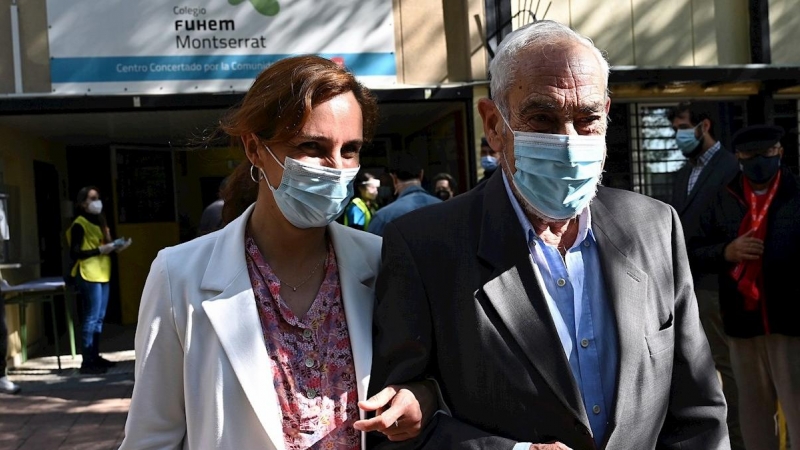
<point x="294" y="288"/>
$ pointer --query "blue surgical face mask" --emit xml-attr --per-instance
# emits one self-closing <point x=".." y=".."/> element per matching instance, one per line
<point x="488" y="163"/>
<point x="311" y="196"/>
<point x="557" y="174"/>
<point x="687" y="142"/>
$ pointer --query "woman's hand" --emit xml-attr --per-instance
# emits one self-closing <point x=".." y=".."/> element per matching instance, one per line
<point x="106" y="249"/>
<point x="410" y="407"/>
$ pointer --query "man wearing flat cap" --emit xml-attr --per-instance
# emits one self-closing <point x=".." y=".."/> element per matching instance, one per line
<point x="751" y="237"/>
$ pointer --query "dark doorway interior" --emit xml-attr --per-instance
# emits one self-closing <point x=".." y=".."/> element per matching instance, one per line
<point x="48" y="222"/>
<point x="618" y="143"/>
<point x="209" y="189"/>
<point x="48" y="218"/>
<point x="786" y="117"/>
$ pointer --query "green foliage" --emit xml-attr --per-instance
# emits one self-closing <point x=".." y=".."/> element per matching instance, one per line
<point x="266" y="7"/>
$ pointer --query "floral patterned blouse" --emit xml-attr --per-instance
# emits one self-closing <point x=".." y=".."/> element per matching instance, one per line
<point x="312" y="361"/>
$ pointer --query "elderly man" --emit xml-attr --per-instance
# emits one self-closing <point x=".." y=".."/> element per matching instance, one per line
<point x="751" y="237"/>
<point x="553" y="313"/>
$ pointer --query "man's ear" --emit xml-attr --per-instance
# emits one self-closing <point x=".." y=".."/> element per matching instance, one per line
<point x="705" y="125"/>
<point x="492" y="123"/>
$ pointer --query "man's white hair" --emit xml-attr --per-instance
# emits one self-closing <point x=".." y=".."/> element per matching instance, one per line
<point x="536" y="34"/>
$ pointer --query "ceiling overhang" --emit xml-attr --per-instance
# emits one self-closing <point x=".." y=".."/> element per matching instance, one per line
<point x="704" y="81"/>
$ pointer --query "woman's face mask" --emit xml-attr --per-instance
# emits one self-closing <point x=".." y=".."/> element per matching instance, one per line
<point x="311" y="196"/>
<point x="95" y="207"/>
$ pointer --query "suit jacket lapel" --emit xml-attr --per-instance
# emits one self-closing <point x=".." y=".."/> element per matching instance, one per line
<point x="626" y="287"/>
<point x="235" y="319"/>
<point x="517" y="295"/>
<point x="356" y="277"/>
<point x="705" y="174"/>
<point x="682" y="185"/>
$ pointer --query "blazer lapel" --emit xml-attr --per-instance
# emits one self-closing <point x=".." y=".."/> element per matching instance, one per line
<point x="356" y="277"/>
<point x="705" y="174"/>
<point x="234" y="317"/>
<point x="517" y="294"/>
<point x="627" y="291"/>
<point x="680" y="197"/>
<point x="357" y="280"/>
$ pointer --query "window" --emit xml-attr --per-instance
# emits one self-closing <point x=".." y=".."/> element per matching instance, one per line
<point x="655" y="156"/>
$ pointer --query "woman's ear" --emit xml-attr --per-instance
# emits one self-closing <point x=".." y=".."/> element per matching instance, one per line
<point x="252" y="143"/>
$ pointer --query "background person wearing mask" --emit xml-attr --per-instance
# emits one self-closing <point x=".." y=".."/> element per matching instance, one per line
<point x="406" y="176"/>
<point x="90" y="244"/>
<point x="709" y="168"/>
<point x="211" y="219"/>
<point x="751" y="238"/>
<point x="6" y="385"/>
<point x="443" y="186"/>
<point x="489" y="161"/>
<point x="358" y="213"/>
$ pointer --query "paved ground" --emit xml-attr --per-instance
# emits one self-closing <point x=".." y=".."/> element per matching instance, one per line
<point x="67" y="410"/>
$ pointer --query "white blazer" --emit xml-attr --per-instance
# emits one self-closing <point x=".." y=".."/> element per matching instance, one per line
<point x="203" y="376"/>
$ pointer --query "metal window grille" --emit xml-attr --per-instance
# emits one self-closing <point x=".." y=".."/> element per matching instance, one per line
<point x="655" y="156"/>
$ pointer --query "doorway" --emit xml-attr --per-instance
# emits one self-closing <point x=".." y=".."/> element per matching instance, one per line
<point x="48" y="222"/>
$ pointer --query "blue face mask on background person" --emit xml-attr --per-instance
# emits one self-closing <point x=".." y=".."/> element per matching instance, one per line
<point x="760" y="169"/>
<point x="488" y="163"/>
<point x="311" y="196"/>
<point x="557" y="174"/>
<point x="687" y="142"/>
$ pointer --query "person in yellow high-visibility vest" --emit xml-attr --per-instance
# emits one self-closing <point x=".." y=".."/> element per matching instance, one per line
<point x="359" y="212"/>
<point x="90" y="244"/>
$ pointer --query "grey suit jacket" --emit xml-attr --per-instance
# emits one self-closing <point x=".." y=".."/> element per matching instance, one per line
<point x="719" y="171"/>
<point x="458" y="300"/>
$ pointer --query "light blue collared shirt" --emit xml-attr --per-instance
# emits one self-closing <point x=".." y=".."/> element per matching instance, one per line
<point x="575" y="293"/>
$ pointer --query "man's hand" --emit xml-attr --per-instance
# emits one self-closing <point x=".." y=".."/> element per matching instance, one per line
<point x="553" y="446"/>
<point x="404" y="418"/>
<point x="744" y="248"/>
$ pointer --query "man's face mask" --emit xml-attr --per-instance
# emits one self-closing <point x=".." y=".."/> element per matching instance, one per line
<point x="443" y="194"/>
<point x="760" y="169"/>
<point x="557" y="174"/>
<point x="687" y="142"/>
